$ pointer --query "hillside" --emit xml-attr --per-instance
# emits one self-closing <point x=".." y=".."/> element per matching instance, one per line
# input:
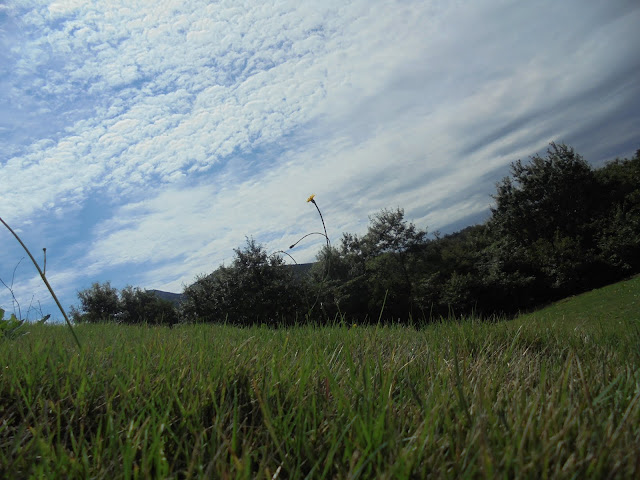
<point x="175" y="298"/>
<point x="615" y="302"/>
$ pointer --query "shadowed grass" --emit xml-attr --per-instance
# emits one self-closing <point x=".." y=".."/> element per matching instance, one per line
<point x="540" y="396"/>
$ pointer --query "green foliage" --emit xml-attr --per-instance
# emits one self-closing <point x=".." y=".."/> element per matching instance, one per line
<point x="559" y="227"/>
<point x="256" y="288"/>
<point x="454" y="274"/>
<point x="545" y="211"/>
<point x="549" y="196"/>
<point x="140" y="306"/>
<point x="11" y="327"/>
<point x="99" y="303"/>
<point x="565" y="226"/>
<point x="103" y="303"/>
<point x="389" y="232"/>
<point x="618" y="227"/>
<point x="367" y="271"/>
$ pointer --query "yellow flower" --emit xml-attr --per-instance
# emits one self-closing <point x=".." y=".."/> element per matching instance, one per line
<point x="310" y="199"/>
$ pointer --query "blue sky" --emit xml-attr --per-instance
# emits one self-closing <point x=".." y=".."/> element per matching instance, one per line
<point x="140" y="142"/>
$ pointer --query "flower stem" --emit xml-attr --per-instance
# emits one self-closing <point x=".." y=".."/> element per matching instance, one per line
<point x="323" y="225"/>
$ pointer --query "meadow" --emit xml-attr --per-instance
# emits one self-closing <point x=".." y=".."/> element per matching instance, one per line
<point x="550" y="394"/>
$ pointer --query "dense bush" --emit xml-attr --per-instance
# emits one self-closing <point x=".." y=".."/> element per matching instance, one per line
<point x="99" y="303"/>
<point x="103" y="303"/>
<point x="559" y="227"/>
<point x="618" y="225"/>
<point x="371" y="274"/>
<point x="565" y="226"/>
<point x="256" y="288"/>
<point x="141" y="306"/>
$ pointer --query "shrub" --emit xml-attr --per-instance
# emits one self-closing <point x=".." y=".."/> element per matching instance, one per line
<point x="256" y="288"/>
<point x="103" y="303"/>
<point x="99" y="303"/>
<point x="140" y="306"/>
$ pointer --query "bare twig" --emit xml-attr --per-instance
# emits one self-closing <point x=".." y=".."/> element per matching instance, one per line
<point x="14" y="301"/>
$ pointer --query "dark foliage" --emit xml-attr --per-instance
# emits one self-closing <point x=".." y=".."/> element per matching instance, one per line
<point x="99" y="303"/>
<point x="618" y="224"/>
<point x="103" y="303"/>
<point x="256" y="288"/>
<point x="141" y="306"/>
<point x="372" y="275"/>
<point x="558" y="227"/>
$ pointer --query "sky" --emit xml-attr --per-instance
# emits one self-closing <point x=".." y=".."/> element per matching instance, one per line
<point x="141" y="142"/>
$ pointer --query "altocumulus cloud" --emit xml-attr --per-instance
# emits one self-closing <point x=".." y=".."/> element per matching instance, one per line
<point x="141" y="144"/>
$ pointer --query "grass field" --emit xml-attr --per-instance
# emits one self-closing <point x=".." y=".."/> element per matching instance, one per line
<point x="553" y="394"/>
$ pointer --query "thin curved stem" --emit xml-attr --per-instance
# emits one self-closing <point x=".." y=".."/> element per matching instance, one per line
<point x="312" y="233"/>
<point x="326" y="236"/>
<point x="44" y="279"/>
<point x="323" y="225"/>
<point x="287" y="254"/>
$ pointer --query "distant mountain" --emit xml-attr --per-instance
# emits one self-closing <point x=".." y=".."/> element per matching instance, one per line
<point x="175" y="298"/>
<point x="300" y="270"/>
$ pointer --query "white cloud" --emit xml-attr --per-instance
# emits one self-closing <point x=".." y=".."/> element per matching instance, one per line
<point x="192" y="124"/>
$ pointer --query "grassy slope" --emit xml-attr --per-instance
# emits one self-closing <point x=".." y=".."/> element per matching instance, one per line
<point x="617" y="302"/>
<point x="554" y="393"/>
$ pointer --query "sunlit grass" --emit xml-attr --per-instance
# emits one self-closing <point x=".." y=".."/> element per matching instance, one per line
<point x="552" y="394"/>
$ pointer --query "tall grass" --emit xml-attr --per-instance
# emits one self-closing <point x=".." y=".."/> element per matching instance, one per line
<point x="539" y="397"/>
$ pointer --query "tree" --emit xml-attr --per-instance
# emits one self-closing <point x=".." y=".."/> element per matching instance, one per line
<point x="256" y="288"/>
<point x="372" y="270"/>
<point x="548" y="196"/>
<point x="204" y="299"/>
<point x="103" y="303"/>
<point x="618" y="226"/>
<point x="97" y="304"/>
<point x="329" y="287"/>
<point x="543" y="221"/>
<point x="393" y="242"/>
<point x="140" y="306"/>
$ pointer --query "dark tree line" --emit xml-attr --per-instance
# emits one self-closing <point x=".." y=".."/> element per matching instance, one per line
<point x="103" y="303"/>
<point x="558" y="227"/>
<point x="255" y="288"/>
